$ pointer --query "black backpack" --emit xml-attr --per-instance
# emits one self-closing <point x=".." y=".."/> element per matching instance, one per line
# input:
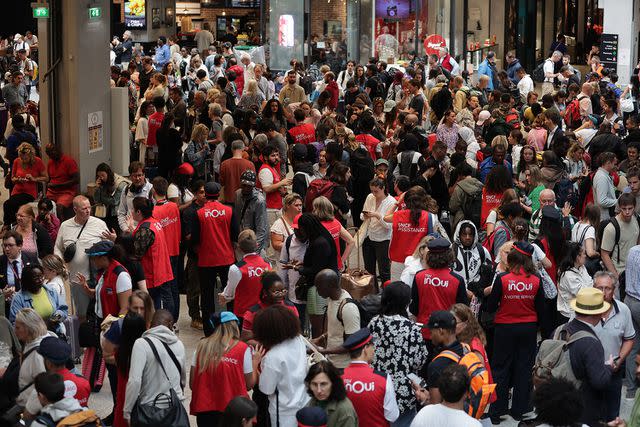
<point x="306" y="81"/>
<point x="565" y="192"/>
<point x="538" y="73"/>
<point x="381" y="90"/>
<point x="472" y="207"/>
<point x="365" y="315"/>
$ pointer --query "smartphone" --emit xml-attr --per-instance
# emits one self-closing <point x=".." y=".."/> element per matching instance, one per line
<point x="416" y="379"/>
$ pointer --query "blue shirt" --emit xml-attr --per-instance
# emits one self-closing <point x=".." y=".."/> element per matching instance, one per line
<point x="163" y="55"/>
<point x="486" y="166"/>
<point x="485" y="69"/>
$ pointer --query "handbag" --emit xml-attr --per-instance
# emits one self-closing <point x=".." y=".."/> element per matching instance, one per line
<point x="626" y="105"/>
<point x="70" y="251"/>
<point x="302" y="288"/>
<point x="100" y="211"/>
<point x="170" y="413"/>
<point x="358" y="281"/>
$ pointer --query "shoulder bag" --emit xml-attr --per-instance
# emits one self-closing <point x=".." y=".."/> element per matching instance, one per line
<point x="70" y="251"/>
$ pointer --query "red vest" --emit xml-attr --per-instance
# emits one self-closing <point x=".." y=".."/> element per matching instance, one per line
<point x="517" y="304"/>
<point x="248" y="290"/>
<point x="489" y="202"/>
<point x="155" y="121"/>
<point x="370" y="143"/>
<point x="333" y="227"/>
<point x="168" y="215"/>
<point x="155" y="262"/>
<point x="304" y="133"/>
<point x="216" y="387"/>
<point x="274" y="199"/>
<point x="437" y="290"/>
<point x="108" y="291"/>
<point x="553" y="270"/>
<point x="75" y="386"/>
<point x="405" y="236"/>
<point x="216" y="248"/>
<point x="366" y="389"/>
<point x="446" y="63"/>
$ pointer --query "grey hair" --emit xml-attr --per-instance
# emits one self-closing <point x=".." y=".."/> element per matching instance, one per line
<point x="607" y="274"/>
<point x="32" y="322"/>
<point x="557" y="53"/>
<point x="260" y="138"/>
<point x="238" y="144"/>
<point x="216" y="109"/>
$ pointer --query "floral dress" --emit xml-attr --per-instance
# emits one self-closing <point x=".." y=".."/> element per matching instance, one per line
<point x="400" y="350"/>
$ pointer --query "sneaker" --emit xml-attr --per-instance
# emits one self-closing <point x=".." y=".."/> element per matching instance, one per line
<point x="196" y="324"/>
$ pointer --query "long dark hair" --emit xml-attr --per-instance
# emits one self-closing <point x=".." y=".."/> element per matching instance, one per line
<point x="416" y="200"/>
<point x="517" y="261"/>
<point x="111" y="179"/>
<point x="133" y="326"/>
<point x="498" y="180"/>
<point x="266" y="111"/>
<point x="314" y="228"/>
<point x="553" y="232"/>
<point x="239" y="410"/>
<point x="338" y="391"/>
<point x="568" y="261"/>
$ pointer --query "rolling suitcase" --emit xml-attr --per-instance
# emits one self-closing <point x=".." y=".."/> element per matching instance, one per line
<point x="93" y="368"/>
<point x="72" y="328"/>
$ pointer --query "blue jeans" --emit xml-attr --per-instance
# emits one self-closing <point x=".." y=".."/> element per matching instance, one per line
<point x="175" y="287"/>
<point x="161" y="296"/>
<point x="405" y="419"/>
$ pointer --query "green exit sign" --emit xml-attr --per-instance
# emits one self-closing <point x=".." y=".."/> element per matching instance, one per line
<point x="41" y="12"/>
<point x="95" y="12"/>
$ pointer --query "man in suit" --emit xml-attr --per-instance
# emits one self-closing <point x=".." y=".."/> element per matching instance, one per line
<point x="12" y="261"/>
<point x="553" y="124"/>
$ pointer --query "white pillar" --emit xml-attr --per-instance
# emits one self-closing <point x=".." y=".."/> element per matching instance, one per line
<point x="618" y="19"/>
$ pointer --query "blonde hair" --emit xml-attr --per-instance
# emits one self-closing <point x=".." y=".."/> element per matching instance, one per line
<point x="24" y="147"/>
<point x="32" y="322"/>
<point x="500" y="140"/>
<point x="199" y="132"/>
<point x="506" y="246"/>
<point x="54" y="263"/>
<point x="211" y="349"/>
<point x="149" y="309"/>
<point x="212" y="94"/>
<point x="290" y="199"/>
<point x="323" y="209"/>
<point x="572" y="150"/>
<point x="252" y="87"/>
<point x="421" y="249"/>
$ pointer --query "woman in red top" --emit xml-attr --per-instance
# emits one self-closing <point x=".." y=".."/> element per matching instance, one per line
<point x="26" y="172"/>
<point x="517" y="298"/>
<point x="223" y="367"/>
<point x="498" y="181"/>
<point x="323" y="209"/>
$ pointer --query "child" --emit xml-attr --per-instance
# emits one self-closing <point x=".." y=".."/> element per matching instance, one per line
<point x="51" y="388"/>
<point x="472" y="262"/>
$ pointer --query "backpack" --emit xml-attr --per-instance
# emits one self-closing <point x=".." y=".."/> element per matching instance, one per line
<point x="616" y="226"/>
<point x="538" y="73"/>
<point x="381" y="90"/>
<point x="87" y="417"/>
<point x="572" y="117"/>
<point x="565" y="192"/>
<point x="317" y="188"/>
<point x="306" y="81"/>
<point x="480" y="390"/>
<point x="365" y="315"/>
<point x="408" y="165"/>
<point x="472" y="207"/>
<point x="553" y="361"/>
<point x="488" y="243"/>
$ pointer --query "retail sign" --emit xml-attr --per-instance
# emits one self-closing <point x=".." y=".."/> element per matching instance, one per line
<point x="41" y="12"/>
<point x="609" y="51"/>
<point x="95" y="129"/>
<point x="95" y="12"/>
<point x="433" y="43"/>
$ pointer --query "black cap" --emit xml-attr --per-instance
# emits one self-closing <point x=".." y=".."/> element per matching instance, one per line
<point x="248" y="177"/>
<point x="551" y="212"/>
<point x="103" y="247"/>
<point x="163" y="38"/>
<point x="441" y="319"/>
<point x="212" y="189"/>
<point x="358" y="339"/>
<point x="312" y="416"/>
<point x="525" y="248"/>
<point x="55" y="350"/>
<point x="299" y="152"/>
<point x="438" y="245"/>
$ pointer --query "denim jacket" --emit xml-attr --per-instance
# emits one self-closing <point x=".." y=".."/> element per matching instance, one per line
<point x="24" y="299"/>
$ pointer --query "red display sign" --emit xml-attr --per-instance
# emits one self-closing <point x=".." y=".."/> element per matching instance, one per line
<point x="433" y="43"/>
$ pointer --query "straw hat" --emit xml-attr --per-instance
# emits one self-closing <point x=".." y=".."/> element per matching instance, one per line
<point x="590" y="301"/>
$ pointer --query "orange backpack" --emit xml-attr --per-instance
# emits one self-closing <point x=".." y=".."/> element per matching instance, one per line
<point x="480" y="390"/>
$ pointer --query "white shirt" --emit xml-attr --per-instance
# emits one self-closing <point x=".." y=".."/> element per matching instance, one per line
<point x="290" y="276"/>
<point x="68" y="234"/>
<point x="525" y="85"/>
<point x="378" y="230"/>
<point x="284" y="368"/>
<point x="583" y="231"/>
<point x="123" y="284"/>
<point x="548" y="67"/>
<point x="336" y="330"/>
<point x="411" y="267"/>
<point x="443" y="416"/>
<point x="11" y="279"/>
<point x="174" y="192"/>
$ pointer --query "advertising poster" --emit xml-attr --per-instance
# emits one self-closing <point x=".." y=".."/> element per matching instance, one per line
<point x="393" y="9"/>
<point x="135" y="14"/>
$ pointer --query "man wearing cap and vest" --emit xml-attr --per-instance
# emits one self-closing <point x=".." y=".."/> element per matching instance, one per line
<point x="517" y="298"/>
<point x="437" y="287"/>
<point x="370" y="391"/>
<point x="214" y="235"/>
<point x="588" y="361"/>
<point x="168" y="216"/>
<point x="150" y="246"/>
<point x="243" y="286"/>
<point x="271" y="182"/>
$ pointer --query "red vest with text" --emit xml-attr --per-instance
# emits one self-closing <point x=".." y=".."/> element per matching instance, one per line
<point x="75" y="386"/>
<point x="333" y="227"/>
<point x="437" y="290"/>
<point x="405" y="235"/>
<point x="304" y="133"/>
<point x="108" y="291"/>
<point x="370" y="143"/>
<point x="274" y="199"/>
<point x="248" y="290"/>
<point x="517" y="304"/>
<point x="489" y="201"/>
<point x="155" y="262"/>
<point x="366" y="389"/>
<point x="168" y="215"/>
<point x="155" y="122"/>
<point x="216" y="387"/>
<point x="216" y="248"/>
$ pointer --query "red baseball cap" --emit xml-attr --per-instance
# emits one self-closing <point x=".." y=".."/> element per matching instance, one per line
<point x="185" y="169"/>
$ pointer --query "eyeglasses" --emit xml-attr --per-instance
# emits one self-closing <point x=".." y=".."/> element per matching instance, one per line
<point x="8" y="245"/>
<point x="280" y="292"/>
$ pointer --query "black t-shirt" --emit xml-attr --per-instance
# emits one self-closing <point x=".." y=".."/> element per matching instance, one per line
<point x="438" y="365"/>
<point x="417" y="103"/>
<point x="372" y="83"/>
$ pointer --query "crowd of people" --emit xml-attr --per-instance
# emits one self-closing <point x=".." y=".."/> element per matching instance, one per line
<point x="489" y="218"/>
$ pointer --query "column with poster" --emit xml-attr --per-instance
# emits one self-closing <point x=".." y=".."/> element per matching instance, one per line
<point x="609" y="51"/>
<point x="95" y="132"/>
